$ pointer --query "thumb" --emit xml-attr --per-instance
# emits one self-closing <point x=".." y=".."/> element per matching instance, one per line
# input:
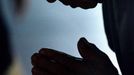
<point x="88" y="50"/>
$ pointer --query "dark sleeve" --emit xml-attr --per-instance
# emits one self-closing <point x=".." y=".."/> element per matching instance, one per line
<point x="119" y="27"/>
<point x="110" y="25"/>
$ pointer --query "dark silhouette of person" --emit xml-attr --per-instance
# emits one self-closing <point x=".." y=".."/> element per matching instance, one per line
<point x="119" y="25"/>
<point x="5" y="45"/>
<point x="5" y="49"/>
<point x="119" y="28"/>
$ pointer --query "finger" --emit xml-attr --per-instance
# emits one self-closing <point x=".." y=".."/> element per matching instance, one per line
<point x="96" y="57"/>
<point x="65" y="59"/>
<point x="34" y="58"/>
<point x="42" y="62"/>
<point x="51" y="1"/>
<point x="73" y="6"/>
<point x="74" y="3"/>
<point x="86" y="4"/>
<point x="65" y="2"/>
<point x="89" y="51"/>
<point x="37" y="71"/>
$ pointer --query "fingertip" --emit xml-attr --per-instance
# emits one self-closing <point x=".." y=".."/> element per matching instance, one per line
<point x="33" y="70"/>
<point x="43" y="50"/>
<point x="34" y="58"/>
<point x="87" y="50"/>
<point x="48" y="52"/>
<point x="82" y="46"/>
<point x="83" y="42"/>
<point x="88" y="5"/>
<point x="82" y="38"/>
<point x="51" y="1"/>
<point x="73" y="6"/>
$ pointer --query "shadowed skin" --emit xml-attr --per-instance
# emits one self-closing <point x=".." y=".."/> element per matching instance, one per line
<point x="93" y="62"/>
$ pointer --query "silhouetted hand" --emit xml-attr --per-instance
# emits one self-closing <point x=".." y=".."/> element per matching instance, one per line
<point x="85" y="4"/>
<point x="93" y="62"/>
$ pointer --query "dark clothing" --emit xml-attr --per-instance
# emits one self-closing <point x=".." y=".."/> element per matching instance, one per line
<point x="119" y="27"/>
<point x="5" y="53"/>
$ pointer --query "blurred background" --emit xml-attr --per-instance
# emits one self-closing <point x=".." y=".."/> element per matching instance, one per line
<point x="53" y="26"/>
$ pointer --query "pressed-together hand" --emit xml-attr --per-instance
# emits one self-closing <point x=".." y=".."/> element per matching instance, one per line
<point x="93" y="62"/>
<point x="85" y="4"/>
